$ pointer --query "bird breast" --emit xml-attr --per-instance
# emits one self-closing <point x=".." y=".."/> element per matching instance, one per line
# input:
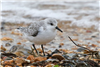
<point x="42" y="37"/>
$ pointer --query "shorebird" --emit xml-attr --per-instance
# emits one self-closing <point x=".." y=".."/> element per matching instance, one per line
<point x="41" y="32"/>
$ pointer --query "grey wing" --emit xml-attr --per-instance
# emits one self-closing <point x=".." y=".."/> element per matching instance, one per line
<point x="33" y="29"/>
<point x="35" y="34"/>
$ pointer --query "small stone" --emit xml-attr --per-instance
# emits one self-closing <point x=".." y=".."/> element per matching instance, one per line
<point x="6" y="39"/>
<point x="93" y="36"/>
<point x="58" y="56"/>
<point x="61" y="44"/>
<point x="19" y="43"/>
<point x="39" y="59"/>
<point x="50" y="65"/>
<point x="13" y="49"/>
<point x="75" y="39"/>
<point x="19" y="61"/>
<point x="31" y="58"/>
<point x="2" y="48"/>
<point x="19" y="53"/>
<point x="7" y="44"/>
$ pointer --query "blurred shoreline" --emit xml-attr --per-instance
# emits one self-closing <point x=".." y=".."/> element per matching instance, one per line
<point x="84" y="14"/>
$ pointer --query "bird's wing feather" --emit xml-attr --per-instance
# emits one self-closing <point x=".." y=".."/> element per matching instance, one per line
<point x="33" y="29"/>
<point x="35" y="34"/>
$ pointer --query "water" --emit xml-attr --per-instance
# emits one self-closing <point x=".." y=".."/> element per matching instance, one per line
<point x="80" y="13"/>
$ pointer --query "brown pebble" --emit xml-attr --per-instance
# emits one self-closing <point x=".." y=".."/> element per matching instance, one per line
<point x="31" y="58"/>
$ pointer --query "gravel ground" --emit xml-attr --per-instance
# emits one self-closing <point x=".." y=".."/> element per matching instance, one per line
<point x="83" y="36"/>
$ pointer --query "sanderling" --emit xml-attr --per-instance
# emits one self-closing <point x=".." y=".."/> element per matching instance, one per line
<point x="41" y="32"/>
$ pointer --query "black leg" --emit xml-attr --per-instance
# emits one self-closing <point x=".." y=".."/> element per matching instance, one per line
<point x="42" y="49"/>
<point x="35" y="48"/>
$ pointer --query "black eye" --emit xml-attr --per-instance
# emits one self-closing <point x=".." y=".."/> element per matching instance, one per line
<point x="51" y="24"/>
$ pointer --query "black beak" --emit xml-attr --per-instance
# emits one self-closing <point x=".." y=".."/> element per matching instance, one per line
<point x="58" y="29"/>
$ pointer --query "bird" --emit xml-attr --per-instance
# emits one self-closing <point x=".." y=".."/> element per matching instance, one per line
<point x="41" y="32"/>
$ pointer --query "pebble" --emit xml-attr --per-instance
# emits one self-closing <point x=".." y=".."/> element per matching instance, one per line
<point x="7" y="44"/>
<point x="13" y="48"/>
